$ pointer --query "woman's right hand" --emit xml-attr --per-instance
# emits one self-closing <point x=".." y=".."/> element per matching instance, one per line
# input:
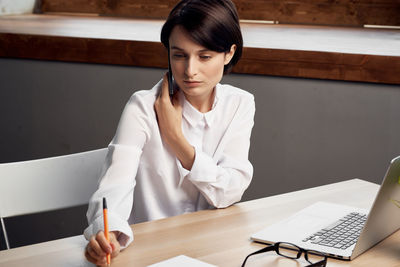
<point x="169" y="118"/>
<point x="98" y="248"/>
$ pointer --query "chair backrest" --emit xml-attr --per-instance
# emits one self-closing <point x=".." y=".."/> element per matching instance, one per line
<point x="49" y="183"/>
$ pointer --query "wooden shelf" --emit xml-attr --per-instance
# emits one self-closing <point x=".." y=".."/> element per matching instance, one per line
<point x="337" y="53"/>
<point x="321" y="12"/>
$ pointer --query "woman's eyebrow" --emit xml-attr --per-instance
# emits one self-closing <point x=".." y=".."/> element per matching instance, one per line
<point x="177" y="48"/>
<point x="199" y="51"/>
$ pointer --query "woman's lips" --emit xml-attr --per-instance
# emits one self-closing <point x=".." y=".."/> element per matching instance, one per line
<point x="192" y="83"/>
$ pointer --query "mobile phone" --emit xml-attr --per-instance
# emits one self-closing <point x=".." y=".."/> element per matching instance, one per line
<point x="170" y="78"/>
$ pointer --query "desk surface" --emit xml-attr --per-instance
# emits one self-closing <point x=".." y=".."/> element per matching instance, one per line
<point x="219" y="237"/>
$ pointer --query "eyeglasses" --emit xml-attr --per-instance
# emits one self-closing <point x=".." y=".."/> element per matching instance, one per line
<point x="291" y="251"/>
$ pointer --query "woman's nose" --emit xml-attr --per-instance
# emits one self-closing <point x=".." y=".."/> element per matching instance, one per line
<point x="191" y="67"/>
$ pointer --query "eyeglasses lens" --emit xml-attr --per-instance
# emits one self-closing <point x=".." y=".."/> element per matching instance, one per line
<point x="288" y="250"/>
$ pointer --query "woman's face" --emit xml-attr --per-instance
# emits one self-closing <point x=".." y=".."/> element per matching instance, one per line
<point x="196" y="69"/>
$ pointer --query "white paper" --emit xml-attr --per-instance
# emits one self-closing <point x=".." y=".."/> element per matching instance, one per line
<point x="183" y="261"/>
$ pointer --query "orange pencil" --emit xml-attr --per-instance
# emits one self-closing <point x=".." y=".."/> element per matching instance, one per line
<point x="106" y="228"/>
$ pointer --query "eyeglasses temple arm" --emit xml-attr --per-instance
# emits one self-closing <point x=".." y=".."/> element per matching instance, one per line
<point x="266" y="249"/>
<point x="321" y="263"/>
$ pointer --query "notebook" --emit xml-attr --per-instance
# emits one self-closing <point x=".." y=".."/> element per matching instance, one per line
<point x="311" y="227"/>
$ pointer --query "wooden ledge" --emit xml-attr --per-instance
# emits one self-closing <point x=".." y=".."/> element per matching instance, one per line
<point x="337" y="53"/>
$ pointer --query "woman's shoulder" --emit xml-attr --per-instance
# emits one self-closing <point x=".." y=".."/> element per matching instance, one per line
<point x="230" y="91"/>
<point x="145" y="97"/>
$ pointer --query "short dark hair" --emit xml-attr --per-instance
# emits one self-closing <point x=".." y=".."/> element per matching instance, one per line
<point x="213" y="24"/>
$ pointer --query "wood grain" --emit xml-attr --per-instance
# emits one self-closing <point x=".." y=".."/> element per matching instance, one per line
<point x="347" y="54"/>
<point x="88" y="50"/>
<point x="153" y="9"/>
<point x="320" y="12"/>
<point x="219" y="237"/>
<point x="320" y="65"/>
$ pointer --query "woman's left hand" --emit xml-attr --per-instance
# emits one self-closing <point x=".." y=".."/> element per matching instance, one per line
<point x="169" y="117"/>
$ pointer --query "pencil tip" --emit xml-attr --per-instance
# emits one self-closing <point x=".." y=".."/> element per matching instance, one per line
<point x="104" y="203"/>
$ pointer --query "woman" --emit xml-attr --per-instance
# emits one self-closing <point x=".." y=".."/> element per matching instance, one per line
<point x="185" y="153"/>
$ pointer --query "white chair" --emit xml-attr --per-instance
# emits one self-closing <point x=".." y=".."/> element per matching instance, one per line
<point x="48" y="184"/>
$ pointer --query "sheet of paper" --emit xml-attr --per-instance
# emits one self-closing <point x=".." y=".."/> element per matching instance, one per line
<point x="181" y="261"/>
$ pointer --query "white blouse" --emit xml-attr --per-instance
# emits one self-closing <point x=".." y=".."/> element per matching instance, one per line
<point x="143" y="180"/>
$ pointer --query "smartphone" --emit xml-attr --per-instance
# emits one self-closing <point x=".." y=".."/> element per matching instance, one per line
<point x="170" y="78"/>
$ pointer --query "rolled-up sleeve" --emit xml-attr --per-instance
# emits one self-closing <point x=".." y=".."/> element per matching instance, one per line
<point x="222" y="178"/>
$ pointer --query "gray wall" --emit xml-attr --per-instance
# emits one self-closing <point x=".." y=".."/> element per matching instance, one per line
<point x="307" y="132"/>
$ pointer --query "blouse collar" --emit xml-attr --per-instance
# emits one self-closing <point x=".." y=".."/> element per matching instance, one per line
<point x="193" y="116"/>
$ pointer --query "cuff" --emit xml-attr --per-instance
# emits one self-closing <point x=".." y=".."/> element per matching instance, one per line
<point x="204" y="168"/>
<point x="182" y="172"/>
<point x="125" y="236"/>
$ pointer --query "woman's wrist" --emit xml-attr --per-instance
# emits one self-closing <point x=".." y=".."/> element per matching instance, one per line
<point x="116" y="234"/>
<point x="185" y="152"/>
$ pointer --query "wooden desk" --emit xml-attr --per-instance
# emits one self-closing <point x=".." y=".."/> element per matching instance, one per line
<point x="219" y="237"/>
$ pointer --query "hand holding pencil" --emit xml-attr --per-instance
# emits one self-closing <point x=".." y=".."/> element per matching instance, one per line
<point x="104" y="245"/>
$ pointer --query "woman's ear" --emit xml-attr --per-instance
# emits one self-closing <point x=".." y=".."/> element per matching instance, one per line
<point x="229" y="55"/>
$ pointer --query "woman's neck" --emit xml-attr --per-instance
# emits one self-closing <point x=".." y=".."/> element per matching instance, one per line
<point x="202" y="103"/>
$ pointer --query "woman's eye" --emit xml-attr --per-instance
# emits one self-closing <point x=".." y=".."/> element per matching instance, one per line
<point x="179" y="56"/>
<point x="205" y="57"/>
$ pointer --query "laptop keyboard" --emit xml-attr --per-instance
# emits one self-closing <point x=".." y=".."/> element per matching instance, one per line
<point x="341" y="234"/>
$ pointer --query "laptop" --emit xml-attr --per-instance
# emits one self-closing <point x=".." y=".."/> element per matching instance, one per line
<point x="340" y="231"/>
